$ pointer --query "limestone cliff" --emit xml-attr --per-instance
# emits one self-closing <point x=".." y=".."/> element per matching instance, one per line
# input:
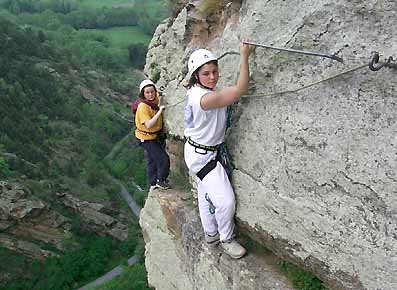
<point x="316" y="169"/>
<point x="177" y="258"/>
<point x="28" y="225"/>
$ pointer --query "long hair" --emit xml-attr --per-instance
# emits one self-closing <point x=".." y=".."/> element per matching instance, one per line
<point x="141" y="94"/>
<point x="194" y="78"/>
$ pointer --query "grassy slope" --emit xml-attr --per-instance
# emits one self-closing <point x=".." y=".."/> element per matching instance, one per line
<point x="121" y="37"/>
<point x="153" y="5"/>
<point x="149" y="6"/>
<point x="104" y="3"/>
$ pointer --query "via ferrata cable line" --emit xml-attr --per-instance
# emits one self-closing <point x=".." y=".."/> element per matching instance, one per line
<point x="311" y="53"/>
<point x="374" y="65"/>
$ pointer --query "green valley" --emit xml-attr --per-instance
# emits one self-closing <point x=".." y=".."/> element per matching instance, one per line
<point x="68" y="71"/>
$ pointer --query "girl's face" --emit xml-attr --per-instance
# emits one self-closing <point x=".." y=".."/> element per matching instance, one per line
<point x="149" y="93"/>
<point x="208" y="75"/>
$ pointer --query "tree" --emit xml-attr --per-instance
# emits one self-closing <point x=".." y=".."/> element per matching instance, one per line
<point x="137" y="53"/>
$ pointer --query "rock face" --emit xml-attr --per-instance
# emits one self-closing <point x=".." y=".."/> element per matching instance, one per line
<point x="24" y="219"/>
<point x="94" y="217"/>
<point x="27" y="223"/>
<point x="172" y="227"/>
<point x="316" y="169"/>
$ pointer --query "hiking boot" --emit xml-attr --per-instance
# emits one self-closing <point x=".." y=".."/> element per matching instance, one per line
<point x="212" y="239"/>
<point x="153" y="187"/>
<point x="163" y="185"/>
<point x="233" y="248"/>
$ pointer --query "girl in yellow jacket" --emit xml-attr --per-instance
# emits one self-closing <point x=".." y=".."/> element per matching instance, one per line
<point x="149" y="124"/>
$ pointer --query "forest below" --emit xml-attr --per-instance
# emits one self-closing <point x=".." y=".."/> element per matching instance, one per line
<point x="68" y="70"/>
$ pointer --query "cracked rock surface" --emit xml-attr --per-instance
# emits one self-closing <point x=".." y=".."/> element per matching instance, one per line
<point x="316" y="169"/>
<point x="178" y="258"/>
<point x="27" y="223"/>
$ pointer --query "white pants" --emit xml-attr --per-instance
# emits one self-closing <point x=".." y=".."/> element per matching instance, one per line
<point x="215" y="195"/>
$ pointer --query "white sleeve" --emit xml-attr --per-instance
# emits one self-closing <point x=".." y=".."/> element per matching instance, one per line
<point x="195" y="97"/>
<point x="188" y="113"/>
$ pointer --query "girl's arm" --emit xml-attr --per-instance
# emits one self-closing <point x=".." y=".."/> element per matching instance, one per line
<point x="150" y="123"/>
<point x="229" y="95"/>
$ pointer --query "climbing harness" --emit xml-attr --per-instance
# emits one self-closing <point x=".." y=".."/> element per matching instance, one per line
<point x="207" y="169"/>
<point x="147" y="132"/>
<point x="331" y="56"/>
<point x="202" y="147"/>
<point x="225" y="159"/>
<point x="210" y="165"/>
<point x="222" y="154"/>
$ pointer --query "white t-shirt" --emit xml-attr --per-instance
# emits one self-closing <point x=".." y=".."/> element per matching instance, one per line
<point x="204" y="127"/>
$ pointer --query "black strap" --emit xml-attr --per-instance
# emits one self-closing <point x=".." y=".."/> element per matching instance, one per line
<point x="148" y="133"/>
<point x="206" y="169"/>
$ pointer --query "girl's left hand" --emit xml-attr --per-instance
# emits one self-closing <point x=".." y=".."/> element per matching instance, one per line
<point x="245" y="48"/>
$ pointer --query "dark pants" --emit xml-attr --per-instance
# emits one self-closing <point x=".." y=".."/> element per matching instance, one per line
<point x="158" y="161"/>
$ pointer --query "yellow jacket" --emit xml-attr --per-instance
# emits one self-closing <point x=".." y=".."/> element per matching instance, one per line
<point x="145" y="113"/>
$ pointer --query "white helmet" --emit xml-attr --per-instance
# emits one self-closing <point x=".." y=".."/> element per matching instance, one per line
<point x="145" y="83"/>
<point x="199" y="58"/>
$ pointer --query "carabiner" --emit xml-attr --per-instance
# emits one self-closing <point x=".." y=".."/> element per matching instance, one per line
<point x="375" y="60"/>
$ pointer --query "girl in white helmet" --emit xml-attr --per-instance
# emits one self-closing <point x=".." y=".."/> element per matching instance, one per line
<point x="205" y="126"/>
<point x="149" y="124"/>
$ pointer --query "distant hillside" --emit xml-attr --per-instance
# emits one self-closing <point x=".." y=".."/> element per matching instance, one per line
<point x="108" y="35"/>
<point x="42" y="96"/>
<point x="67" y="70"/>
<point x="57" y="123"/>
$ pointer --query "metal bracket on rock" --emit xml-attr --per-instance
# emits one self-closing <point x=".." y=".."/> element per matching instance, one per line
<point x="375" y="65"/>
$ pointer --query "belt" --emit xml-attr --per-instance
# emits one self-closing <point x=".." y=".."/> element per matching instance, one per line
<point x="148" y="133"/>
<point x="200" y="146"/>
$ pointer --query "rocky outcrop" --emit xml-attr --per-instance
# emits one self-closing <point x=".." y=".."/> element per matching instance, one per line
<point x="27" y="223"/>
<point x="178" y="258"/>
<point x="315" y="175"/>
<point x="93" y="215"/>
<point x="24" y="219"/>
